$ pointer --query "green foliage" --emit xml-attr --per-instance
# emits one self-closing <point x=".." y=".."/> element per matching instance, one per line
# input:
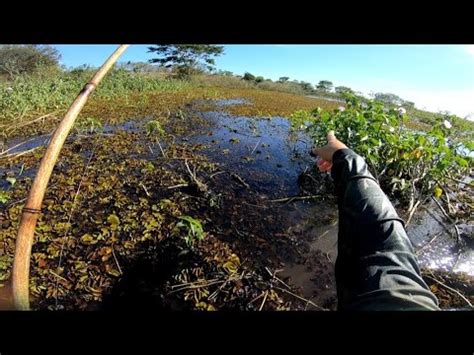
<point x="283" y="79"/>
<point x="249" y="77"/>
<point x="388" y="98"/>
<point x="186" y="58"/>
<point x="153" y="127"/>
<point x="324" y="85"/>
<point x="402" y="160"/>
<point x="193" y="227"/>
<point x="22" y="59"/>
<point x="4" y="197"/>
<point x="90" y="124"/>
<point x="259" y="79"/>
<point x="307" y="87"/>
<point x="343" y="90"/>
<point x="33" y="94"/>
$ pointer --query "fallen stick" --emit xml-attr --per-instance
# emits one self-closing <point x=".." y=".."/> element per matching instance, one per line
<point x="451" y="289"/>
<point x="427" y="244"/>
<point x="239" y="179"/>
<point x="22" y="143"/>
<point x="301" y="298"/>
<point x="256" y="145"/>
<point x="16" y="155"/>
<point x="116" y="261"/>
<point x="458" y="234"/>
<point x="294" y="198"/>
<point x="162" y="152"/>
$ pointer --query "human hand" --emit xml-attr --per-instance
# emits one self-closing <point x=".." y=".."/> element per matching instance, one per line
<point x="326" y="152"/>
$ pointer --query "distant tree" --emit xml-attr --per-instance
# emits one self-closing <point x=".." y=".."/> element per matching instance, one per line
<point x="137" y="67"/>
<point x="225" y="73"/>
<point x="186" y="59"/>
<point x="388" y="98"/>
<point x="283" y="79"/>
<point x="324" y="85"/>
<point x="259" y="79"/>
<point x="307" y="87"/>
<point x="249" y="77"/>
<point x="343" y="90"/>
<point x="20" y="59"/>
<point x="408" y="104"/>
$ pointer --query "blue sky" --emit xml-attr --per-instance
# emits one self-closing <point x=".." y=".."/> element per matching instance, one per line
<point x="435" y="77"/>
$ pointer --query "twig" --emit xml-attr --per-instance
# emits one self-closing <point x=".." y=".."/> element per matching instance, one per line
<point x="177" y="186"/>
<point x="461" y="182"/>
<point x="256" y="145"/>
<point x="264" y="300"/>
<point x="194" y="283"/>
<point x="58" y="276"/>
<point x="251" y="204"/>
<point x="427" y="244"/>
<point x="239" y="179"/>
<point x="457" y="261"/>
<point x="13" y="129"/>
<point x="197" y="286"/>
<point x="200" y="185"/>
<point x="412" y="212"/>
<point x="151" y="150"/>
<point x="450" y="207"/>
<point x="294" y="198"/>
<point x="451" y="289"/>
<point x="22" y="143"/>
<point x="116" y="261"/>
<point x="302" y="299"/>
<point x="276" y="278"/>
<point x="218" y="173"/>
<point x="16" y="155"/>
<point x="256" y="298"/>
<point x="144" y="188"/>
<point x="458" y="234"/>
<point x="162" y="152"/>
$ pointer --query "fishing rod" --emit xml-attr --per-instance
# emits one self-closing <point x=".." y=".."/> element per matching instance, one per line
<point x="32" y="209"/>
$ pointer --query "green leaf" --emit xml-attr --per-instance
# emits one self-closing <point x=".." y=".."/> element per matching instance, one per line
<point x="437" y="192"/>
<point x="114" y="221"/>
<point x="11" y="180"/>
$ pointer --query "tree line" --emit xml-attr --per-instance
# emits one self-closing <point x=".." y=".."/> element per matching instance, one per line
<point x="181" y="60"/>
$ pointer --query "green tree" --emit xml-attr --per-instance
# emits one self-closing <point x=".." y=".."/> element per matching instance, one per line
<point x="324" y="85"/>
<point x="186" y="59"/>
<point x="249" y="77"/>
<point x="26" y="59"/>
<point x="307" y="87"/>
<point x="343" y="90"/>
<point x="259" y="79"/>
<point x="388" y="98"/>
<point x="283" y="79"/>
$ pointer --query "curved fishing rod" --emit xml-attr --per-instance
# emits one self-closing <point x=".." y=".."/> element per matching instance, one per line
<point x="32" y="209"/>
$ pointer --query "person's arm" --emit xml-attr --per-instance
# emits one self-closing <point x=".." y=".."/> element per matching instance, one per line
<point x="376" y="268"/>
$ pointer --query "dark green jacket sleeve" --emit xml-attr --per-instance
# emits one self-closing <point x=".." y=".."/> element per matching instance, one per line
<point x="376" y="268"/>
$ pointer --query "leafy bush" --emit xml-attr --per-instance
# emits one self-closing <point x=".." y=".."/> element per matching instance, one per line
<point x="248" y="77"/>
<point x="410" y="164"/>
<point x="193" y="228"/>
<point x="154" y="128"/>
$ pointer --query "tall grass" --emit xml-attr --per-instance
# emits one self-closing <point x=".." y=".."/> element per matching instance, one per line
<point x="28" y="95"/>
